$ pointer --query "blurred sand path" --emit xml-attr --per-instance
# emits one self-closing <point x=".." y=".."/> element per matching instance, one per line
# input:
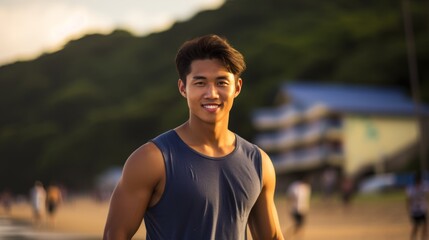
<point x="82" y="215"/>
<point x="15" y="229"/>
<point x="368" y="219"/>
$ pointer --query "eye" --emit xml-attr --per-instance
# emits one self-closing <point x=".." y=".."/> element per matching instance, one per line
<point x="223" y="83"/>
<point x="199" y="83"/>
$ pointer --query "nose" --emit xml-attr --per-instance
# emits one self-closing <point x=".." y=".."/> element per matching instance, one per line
<point x="211" y="91"/>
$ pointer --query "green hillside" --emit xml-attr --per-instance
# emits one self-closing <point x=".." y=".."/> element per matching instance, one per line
<point x="68" y="115"/>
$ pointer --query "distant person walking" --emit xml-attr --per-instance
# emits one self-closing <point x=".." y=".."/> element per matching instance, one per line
<point x="38" y="200"/>
<point x="417" y="196"/>
<point x="347" y="190"/>
<point x="6" y="201"/>
<point x="53" y="199"/>
<point x="329" y="181"/>
<point x="299" y="194"/>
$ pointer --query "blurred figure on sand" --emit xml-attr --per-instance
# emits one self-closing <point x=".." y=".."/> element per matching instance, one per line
<point x="347" y="188"/>
<point x="38" y="200"/>
<point x="53" y="199"/>
<point x="6" y="201"/>
<point x="329" y="181"/>
<point x="417" y="194"/>
<point x="299" y="193"/>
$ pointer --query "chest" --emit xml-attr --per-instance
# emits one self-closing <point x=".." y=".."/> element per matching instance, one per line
<point x="230" y="185"/>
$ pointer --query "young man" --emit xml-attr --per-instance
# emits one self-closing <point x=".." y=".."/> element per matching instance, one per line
<point x="199" y="180"/>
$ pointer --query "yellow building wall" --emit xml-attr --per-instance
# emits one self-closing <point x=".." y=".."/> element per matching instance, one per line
<point x="370" y="139"/>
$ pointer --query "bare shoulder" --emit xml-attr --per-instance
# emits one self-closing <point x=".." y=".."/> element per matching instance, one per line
<point x="268" y="172"/>
<point x="148" y="153"/>
<point x="144" y="165"/>
<point x="137" y="189"/>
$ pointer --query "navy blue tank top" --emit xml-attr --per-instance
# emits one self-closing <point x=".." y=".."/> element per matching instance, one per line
<point x="204" y="197"/>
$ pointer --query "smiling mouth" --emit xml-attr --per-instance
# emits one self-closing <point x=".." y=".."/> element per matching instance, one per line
<point x="211" y="106"/>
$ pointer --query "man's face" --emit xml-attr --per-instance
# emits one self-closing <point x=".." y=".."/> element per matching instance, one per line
<point x="210" y="91"/>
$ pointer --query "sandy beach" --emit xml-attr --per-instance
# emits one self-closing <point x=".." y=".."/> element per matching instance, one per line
<point x="368" y="217"/>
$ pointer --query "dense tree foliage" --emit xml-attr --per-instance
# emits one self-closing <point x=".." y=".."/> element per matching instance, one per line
<point x="71" y="114"/>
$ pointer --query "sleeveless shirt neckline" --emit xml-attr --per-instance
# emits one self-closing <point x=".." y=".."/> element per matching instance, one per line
<point x="203" y="155"/>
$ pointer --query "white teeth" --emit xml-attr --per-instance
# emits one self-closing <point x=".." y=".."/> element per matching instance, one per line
<point x="211" y="106"/>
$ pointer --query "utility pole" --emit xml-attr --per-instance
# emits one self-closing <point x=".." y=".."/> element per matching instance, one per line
<point x="414" y="81"/>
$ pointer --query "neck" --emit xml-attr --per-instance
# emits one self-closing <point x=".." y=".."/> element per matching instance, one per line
<point x="214" y="141"/>
<point x="216" y="134"/>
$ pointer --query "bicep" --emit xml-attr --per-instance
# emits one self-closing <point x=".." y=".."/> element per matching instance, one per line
<point x="263" y="222"/>
<point x="130" y="199"/>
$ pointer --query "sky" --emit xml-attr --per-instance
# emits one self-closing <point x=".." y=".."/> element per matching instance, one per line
<point x="29" y="28"/>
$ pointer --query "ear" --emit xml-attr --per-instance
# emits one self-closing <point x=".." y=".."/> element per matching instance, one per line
<point x="182" y="87"/>
<point x="238" y="86"/>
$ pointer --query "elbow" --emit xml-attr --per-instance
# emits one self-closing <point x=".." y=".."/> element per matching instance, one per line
<point x="278" y="237"/>
<point x="274" y="236"/>
<point x="107" y="235"/>
<point x="113" y="235"/>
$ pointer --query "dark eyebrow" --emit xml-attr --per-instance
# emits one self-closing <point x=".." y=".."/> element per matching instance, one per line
<point x="222" y="77"/>
<point x="199" y="78"/>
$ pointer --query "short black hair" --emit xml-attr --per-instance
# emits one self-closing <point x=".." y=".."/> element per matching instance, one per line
<point x="209" y="47"/>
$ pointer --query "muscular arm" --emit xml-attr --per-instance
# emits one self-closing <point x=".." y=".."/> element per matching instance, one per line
<point x="137" y="189"/>
<point x="263" y="222"/>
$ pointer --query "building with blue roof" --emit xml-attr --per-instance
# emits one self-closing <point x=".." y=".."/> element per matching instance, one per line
<point x="347" y="127"/>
